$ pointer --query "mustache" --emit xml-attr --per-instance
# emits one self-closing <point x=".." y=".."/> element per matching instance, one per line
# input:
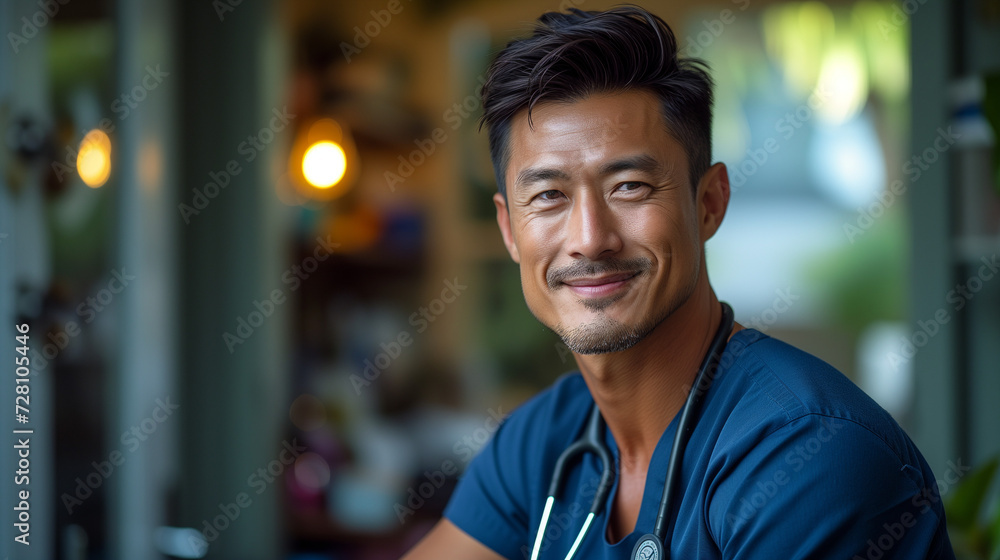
<point x="556" y="276"/>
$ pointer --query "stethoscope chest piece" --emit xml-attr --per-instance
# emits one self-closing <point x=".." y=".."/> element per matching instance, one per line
<point x="648" y="548"/>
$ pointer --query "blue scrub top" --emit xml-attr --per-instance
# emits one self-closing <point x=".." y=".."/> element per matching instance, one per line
<point x="789" y="459"/>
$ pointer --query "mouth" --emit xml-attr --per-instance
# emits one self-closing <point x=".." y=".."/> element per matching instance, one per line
<point x="599" y="286"/>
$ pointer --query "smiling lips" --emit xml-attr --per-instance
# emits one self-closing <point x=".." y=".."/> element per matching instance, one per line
<point x="600" y="286"/>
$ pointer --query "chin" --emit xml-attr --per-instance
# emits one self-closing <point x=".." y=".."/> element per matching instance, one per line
<point x="600" y="333"/>
<point x="604" y="335"/>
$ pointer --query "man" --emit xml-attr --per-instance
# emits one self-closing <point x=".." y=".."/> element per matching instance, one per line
<point x="600" y="138"/>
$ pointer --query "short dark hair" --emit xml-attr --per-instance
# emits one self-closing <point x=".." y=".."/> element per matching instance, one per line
<point x="573" y="55"/>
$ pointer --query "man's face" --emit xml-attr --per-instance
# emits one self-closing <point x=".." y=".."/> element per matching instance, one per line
<point x="602" y="219"/>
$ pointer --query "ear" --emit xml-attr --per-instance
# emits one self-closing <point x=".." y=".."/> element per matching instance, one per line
<point x="713" y="200"/>
<point x="503" y="220"/>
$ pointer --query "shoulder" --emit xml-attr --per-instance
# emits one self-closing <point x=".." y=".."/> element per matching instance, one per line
<point x="770" y="384"/>
<point x="791" y="430"/>
<point x="787" y="432"/>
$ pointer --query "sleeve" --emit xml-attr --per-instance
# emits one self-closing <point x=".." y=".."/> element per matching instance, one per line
<point x="488" y="503"/>
<point x="825" y="487"/>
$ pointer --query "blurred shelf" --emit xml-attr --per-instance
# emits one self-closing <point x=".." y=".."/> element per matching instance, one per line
<point x="482" y="241"/>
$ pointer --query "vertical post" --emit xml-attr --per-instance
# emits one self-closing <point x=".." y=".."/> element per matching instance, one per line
<point x="25" y="273"/>
<point x="936" y="414"/>
<point x="981" y="317"/>
<point x="232" y="388"/>
<point x="142" y="388"/>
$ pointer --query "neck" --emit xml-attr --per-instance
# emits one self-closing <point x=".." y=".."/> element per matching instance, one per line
<point x="640" y="390"/>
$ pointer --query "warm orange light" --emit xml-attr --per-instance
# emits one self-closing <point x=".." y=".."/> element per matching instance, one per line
<point x="93" y="162"/>
<point x="324" y="164"/>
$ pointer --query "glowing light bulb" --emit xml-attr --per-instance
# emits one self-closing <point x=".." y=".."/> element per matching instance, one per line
<point x="93" y="162"/>
<point x="323" y="161"/>
<point x="324" y="164"/>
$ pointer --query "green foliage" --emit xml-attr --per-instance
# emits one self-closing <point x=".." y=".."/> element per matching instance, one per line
<point x="865" y="279"/>
<point x="974" y="521"/>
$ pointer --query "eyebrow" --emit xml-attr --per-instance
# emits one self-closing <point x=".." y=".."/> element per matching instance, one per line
<point x="643" y="163"/>
<point x="533" y="175"/>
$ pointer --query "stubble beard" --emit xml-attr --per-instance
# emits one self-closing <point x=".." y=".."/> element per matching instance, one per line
<point x="605" y="334"/>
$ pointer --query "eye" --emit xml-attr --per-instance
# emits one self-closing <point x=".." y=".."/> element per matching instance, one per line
<point x="632" y="187"/>
<point x="548" y="196"/>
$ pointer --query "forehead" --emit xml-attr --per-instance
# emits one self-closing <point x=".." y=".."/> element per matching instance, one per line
<point x="590" y="131"/>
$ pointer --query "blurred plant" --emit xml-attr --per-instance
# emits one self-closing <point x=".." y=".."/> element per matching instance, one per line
<point x="974" y="521"/>
<point x="866" y="282"/>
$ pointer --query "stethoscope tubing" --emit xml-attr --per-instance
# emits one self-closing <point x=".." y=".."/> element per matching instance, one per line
<point x="702" y="382"/>
<point x="593" y="441"/>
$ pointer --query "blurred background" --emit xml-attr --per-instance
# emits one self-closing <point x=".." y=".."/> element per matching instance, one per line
<point x="270" y="315"/>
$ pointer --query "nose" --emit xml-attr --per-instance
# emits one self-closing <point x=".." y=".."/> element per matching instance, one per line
<point x="592" y="228"/>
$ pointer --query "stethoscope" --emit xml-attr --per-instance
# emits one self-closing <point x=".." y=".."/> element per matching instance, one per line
<point x="650" y="546"/>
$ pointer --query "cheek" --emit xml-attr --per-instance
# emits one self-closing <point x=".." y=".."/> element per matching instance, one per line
<point x="683" y="234"/>
<point x="537" y="242"/>
<point x="660" y="230"/>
